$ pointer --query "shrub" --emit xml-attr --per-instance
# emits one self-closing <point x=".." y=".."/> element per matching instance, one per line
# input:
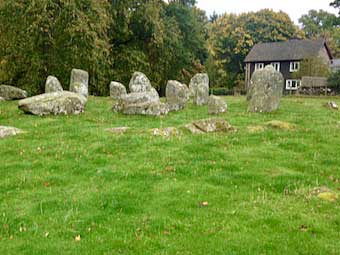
<point x="334" y="80"/>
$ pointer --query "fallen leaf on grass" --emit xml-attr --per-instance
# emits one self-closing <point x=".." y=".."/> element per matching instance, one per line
<point x="204" y="204"/>
<point x="77" y="238"/>
<point x="46" y="184"/>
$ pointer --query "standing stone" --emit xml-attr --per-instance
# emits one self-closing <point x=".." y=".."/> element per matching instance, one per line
<point x="143" y="99"/>
<point x="79" y="82"/>
<point x="199" y="87"/>
<point x="117" y="90"/>
<point x="52" y="85"/>
<point x="177" y="95"/>
<point x="216" y="105"/>
<point x="266" y="88"/>
<point x="12" y="93"/>
<point x="55" y="103"/>
<point x="139" y="83"/>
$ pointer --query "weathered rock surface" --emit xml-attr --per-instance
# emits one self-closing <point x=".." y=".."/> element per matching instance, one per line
<point x="193" y="129"/>
<point x="210" y="126"/>
<point x="143" y="99"/>
<point x="332" y="105"/>
<point x="79" y="88"/>
<point x="165" y="132"/>
<point x="117" y="90"/>
<point x="12" y="93"/>
<point x="141" y="103"/>
<point x="216" y="105"/>
<point x="139" y="83"/>
<point x="79" y="82"/>
<point x="199" y="88"/>
<point x="52" y="85"/>
<point x="177" y="95"/>
<point x="213" y="125"/>
<point x="56" y="103"/>
<point x="265" y="90"/>
<point x="9" y="131"/>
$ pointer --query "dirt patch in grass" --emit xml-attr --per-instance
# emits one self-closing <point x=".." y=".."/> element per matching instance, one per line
<point x="325" y="194"/>
<point x="282" y="125"/>
<point x="273" y="124"/>
<point x="256" y="129"/>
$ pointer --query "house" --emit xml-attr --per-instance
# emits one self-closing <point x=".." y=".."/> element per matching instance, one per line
<point x="335" y="65"/>
<point x="286" y="58"/>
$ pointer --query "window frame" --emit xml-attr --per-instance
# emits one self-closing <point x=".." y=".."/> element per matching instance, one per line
<point x="290" y="82"/>
<point x="259" y="66"/>
<point x="276" y="65"/>
<point x="294" y="66"/>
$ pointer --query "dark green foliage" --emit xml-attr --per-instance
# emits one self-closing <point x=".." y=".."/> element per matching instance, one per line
<point x="44" y="37"/>
<point x="109" y="39"/>
<point x="322" y="24"/>
<point x="315" y="67"/>
<point x="334" y="80"/>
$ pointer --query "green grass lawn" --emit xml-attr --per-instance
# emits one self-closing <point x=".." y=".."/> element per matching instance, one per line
<point x="140" y="194"/>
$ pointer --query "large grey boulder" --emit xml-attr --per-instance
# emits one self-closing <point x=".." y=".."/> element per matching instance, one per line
<point x="117" y="90"/>
<point x="139" y="83"/>
<point x="12" y="93"/>
<point x="9" y="131"/>
<point x="177" y="95"/>
<point x="79" y="82"/>
<point x="216" y="105"/>
<point x="56" y="103"/>
<point x="199" y="88"/>
<point x="266" y="88"/>
<point x="52" y="85"/>
<point x="141" y="103"/>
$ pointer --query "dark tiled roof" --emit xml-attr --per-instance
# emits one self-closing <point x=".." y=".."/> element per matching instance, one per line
<point x="285" y="51"/>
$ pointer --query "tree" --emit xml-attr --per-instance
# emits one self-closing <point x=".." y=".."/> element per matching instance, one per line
<point x="44" y="37"/>
<point x="165" y="41"/>
<point x="322" y="24"/>
<point x="315" y="67"/>
<point x="334" y="80"/>
<point x="233" y="36"/>
<point x="336" y="4"/>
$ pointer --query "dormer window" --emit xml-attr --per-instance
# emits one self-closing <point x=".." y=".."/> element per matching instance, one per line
<point x="259" y="66"/>
<point x="294" y="66"/>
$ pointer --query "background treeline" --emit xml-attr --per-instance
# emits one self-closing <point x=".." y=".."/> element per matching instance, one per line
<point x="112" y="39"/>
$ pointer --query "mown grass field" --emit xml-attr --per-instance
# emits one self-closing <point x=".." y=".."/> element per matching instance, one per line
<point x="69" y="187"/>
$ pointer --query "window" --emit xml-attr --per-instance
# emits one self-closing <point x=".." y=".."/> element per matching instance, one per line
<point x="259" y="66"/>
<point x="293" y="84"/>
<point x="276" y="66"/>
<point x="294" y="67"/>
